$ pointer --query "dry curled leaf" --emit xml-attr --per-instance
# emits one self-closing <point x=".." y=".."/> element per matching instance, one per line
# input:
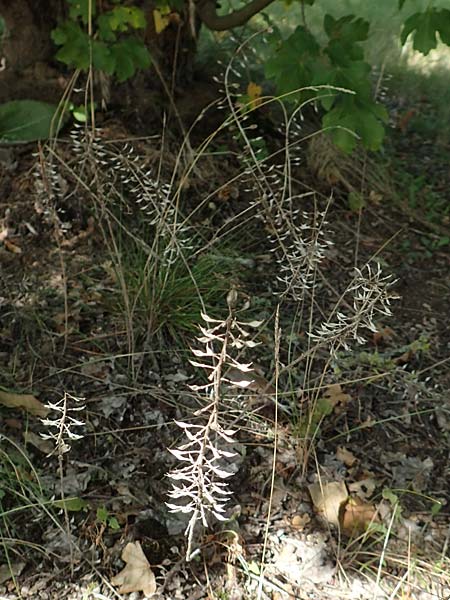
<point x="25" y="401"/>
<point x="14" y="248"/>
<point x="137" y="575"/>
<point x="300" y="521"/>
<point x="357" y="516"/>
<point x="345" y="456"/>
<point x="336" y="395"/>
<point x="364" y="488"/>
<point x="328" y="499"/>
<point x="9" y="571"/>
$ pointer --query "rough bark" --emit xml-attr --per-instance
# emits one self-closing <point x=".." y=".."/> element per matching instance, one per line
<point x="28" y="26"/>
<point x="27" y="50"/>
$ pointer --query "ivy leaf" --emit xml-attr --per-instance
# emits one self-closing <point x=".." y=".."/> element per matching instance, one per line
<point x="123" y="17"/>
<point x="104" y="28"/>
<point x="345" y="36"/>
<point x="124" y="68"/>
<point x="423" y="27"/>
<point x="351" y="117"/>
<point x="80" y="8"/>
<point x="102" y="57"/>
<point x="443" y="25"/>
<point x="75" y="45"/>
<point x="343" y="54"/>
<point x="129" y="54"/>
<point x="290" y="65"/>
<point x="349" y="28"/>
<point x="355" y="77"/>
<point x="137" y="51"/>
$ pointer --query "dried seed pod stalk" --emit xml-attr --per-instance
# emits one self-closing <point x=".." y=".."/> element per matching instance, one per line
<point x="200" y="485"/>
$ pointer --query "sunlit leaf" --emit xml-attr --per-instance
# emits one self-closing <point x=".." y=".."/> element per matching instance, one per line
<point x="137" y="575"/>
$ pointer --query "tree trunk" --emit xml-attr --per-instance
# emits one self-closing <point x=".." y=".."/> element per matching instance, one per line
<point x="27" y="50"/>
<point x="28" y="26"/>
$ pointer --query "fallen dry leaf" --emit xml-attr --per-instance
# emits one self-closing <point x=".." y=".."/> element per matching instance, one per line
<point x="336" y="396"/>
<point x="299" y="521"/>
<point x="345" y="456"/>
<point x="137" y="575"/>
<point x="10" y="571"/>
<point x="364" y="488"/>
<point x="328" y="499"/>
<point x="12" y="247"/>
<point x="385" y="334"/>
<point x="357" y="516"/>
<point x="25" y="401"/>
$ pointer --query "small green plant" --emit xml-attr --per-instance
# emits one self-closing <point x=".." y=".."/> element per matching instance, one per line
<point x="170" y="297"/>
<point x="309" y="424"/>
<point x="110" y="47"/>
<point x="105" y="518"/>
<point x="22" y="500"/>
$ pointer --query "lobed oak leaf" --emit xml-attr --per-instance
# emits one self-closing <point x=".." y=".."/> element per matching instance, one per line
<point x="328" y="498"/>
<point x="137" y="575"/>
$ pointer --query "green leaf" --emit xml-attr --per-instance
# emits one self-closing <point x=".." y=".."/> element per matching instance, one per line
<point x="137" y="51"/>
<point x="291" y="64"/>
<point x="75" y="45"/>
<point x="80" y="8"/>
<point x="436" y="508"/>
<point x="104" y="29"/>
<point x="356" y="202"/>
<point x="443" y="25"/>
<point x="123" y="17"/>
<point x="113" y="523"/>
<point x="71" y="504"/>
<point x="124" y="68"/>
<point x="351" y="29"/>
<point x="423" y="26"/>
<point x="345" y="35"/>
<point x="27" y="120"/>
<point x="102" y="514"/>
<point x="80" y="113"/>
<point x="350" y="119"/>
<point x="389" y="495"/>
<point x="102" y="57"/>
